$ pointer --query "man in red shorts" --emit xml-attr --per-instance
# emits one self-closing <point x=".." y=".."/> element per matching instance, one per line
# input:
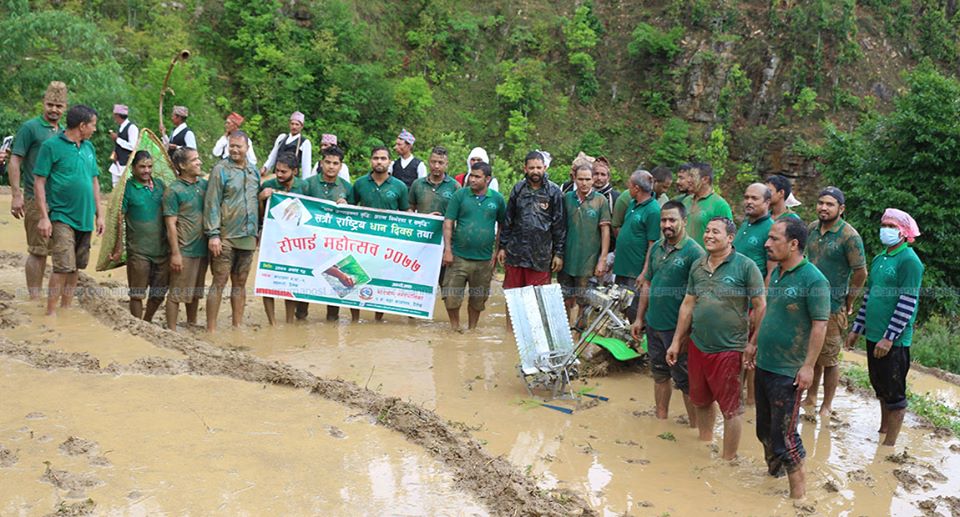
<point x="531" y="241"/>
<point x="722" y="285"/>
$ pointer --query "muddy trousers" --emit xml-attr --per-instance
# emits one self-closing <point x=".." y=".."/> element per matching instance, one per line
<point x="778" y="408"/>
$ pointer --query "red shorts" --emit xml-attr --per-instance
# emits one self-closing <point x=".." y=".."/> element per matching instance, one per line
<point x="522" y="277"/>
<point x="715" y="377"/>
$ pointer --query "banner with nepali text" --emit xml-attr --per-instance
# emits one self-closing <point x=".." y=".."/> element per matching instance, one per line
<point x="380" y="260"/>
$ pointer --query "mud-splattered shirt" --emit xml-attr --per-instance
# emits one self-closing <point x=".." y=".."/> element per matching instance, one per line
<point x="26" y="144"/>
<point x="668" y="271"/>
<point x="641" y="226"/>
<point x="230" y="207"/>
<point x="751" y="238"/>
<point x="339" y="189"/>
<point x="836" y="253"/>
<point x="723" y="295"/>
<point x="427" y="198"/>
<point x="584" y="220"/>
<point x="142" y="210"/>
<point x="185" y="201"/>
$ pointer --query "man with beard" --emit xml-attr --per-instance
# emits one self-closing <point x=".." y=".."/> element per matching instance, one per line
<point x="379" y="189"/>
<point x="786" y="348"/>
<point x="470" y="243"/>
<point x="721" y="287"/>
<point x="291" y="143"/>
<point x="407" y="167"/>
<point x="534" y="231"/>
<point x="124" y="140"/>
<point x="602" y="186"/>
<point x="752" y="235"/>
<point x="431" y="194"/>
<point x="661" y="293"/>
<point x="231" y="221"/>
<point x="221" y="150"/>
<point x="684" y="184"/>
<point x="641" y="228"/>
<point x="26" y="145"/>
<point x="836" y="248"/>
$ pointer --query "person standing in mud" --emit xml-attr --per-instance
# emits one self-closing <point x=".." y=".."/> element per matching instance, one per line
<point x="588" y="237"/>
<point x="470" y="243"/>
<point x="148" y="252"/>
<point x="331" y="186"/>
<point x="230" y="221"/>
<point x="836" y="248"/>
<point x="285" y="180"/>
<point x="379" y="189"/>
<point x="641" y="228"/>
<point x="661" y="293"/>
<point x="26" y="146"/>
<point x="534" y="231"/>
<point x="431" y="194"/>
<point x="787" y="346"/>
<point x="183" y="216"/>
<point x="886" y="318"/>
<point x="721" y="287"/>
<point x="67" y="188"/>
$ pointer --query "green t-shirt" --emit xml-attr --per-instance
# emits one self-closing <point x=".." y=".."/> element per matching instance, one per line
<point x="720" y="319"/>
<point x="641" y="225"/>
<point x="668" y="272"/>
<point x="750" y="240"/>
<point x="70" y="171"/>
<point x="389" y="195"/>
<point x="26" y="145"/>
<point x="427" y="198"/>
<point x="339" y="189"/>
<point x="836" y="253"/>
<point x="230" y="207"/>
<point x="185" y="201"/>
<point x="786" y="214"/>
<point x="142" y="210"/>
<point x="892" y="273"/>
<point x="584" y="220"/>
<point x="297" y="187"/>
<point x="701" y="211"/>
<point x="620" y="209"/>
<point x="796" y="298"/>
<point x="474" y="233"/>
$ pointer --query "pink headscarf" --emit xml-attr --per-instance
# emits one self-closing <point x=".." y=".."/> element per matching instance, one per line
<point x="908" y="227"/>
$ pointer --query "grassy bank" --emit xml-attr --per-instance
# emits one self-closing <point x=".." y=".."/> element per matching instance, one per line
<point x="935" y="344"/>
<point x="923" y="405"/>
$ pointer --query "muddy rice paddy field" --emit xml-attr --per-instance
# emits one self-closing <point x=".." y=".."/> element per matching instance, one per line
<point x="102" y="414"/>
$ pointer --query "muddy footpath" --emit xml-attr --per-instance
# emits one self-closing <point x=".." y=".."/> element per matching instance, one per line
<point x="102" y="414"/>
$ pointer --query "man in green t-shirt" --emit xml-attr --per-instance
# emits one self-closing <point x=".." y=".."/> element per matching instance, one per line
<point x="752" y="234"/>
<point x="470" y="237"/>
<point x="588" y="236"/>
<point x="641" y="228"/>
<point x="68" y="196"/>
<point x="26" y="146"/>
<point x="722" y="285"/>
<point x="430" y="194"/>
<point x="661" y="293"/>
<point x="148" y="252"/>
<point x="230" y="221"/>
<point x="662" y="180"/>
<point x="787" y="346"/>
<point x="379" y="189"/>
<point x="285" y="179"/>
<point x="836" y="248"/>
<point x="886" y="318"/>
<point x="781" y="191"/>
<point x="183" y="216"/>
<point x="703" y="204"/>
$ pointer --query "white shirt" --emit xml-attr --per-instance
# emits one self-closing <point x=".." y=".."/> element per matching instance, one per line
<point x="344" y="171"/>
<point x="190" y="140"/>
<point x="421" y="169"/>
<point x="134" y="134"/>
<point x="306" y="152"/>
<point x="221" y="150"/>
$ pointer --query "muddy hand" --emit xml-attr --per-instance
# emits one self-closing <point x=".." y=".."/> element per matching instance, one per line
<point x="804" y="377"/>
<point x="673" y="353"/>
<point x="750" y="356"/>
<point x="636" y="330"/>
<point x="214" y="246"/>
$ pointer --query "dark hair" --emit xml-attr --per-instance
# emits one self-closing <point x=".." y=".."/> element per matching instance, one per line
<point x="124" y="117"/>
<point x="781" y="183"/>
<point x="379" y="148"/>
<point x="79" y="114"/>
<point x="685" y="167"/>
<point x="180" y="157"/>
<point x="706" y="171"/>
<point x="332" y="151"/>
<point x="795" y="229"/>
<point x="238" y="133"/>
<point x="533" y="155"/>
<point x="662" y="173"/>
<point x="484" y="167"/>
<point x="290" y="160"/>
<point x="728" y="224"/>
<point x="140" y="156"/>
<point x="582" y="167"/>
<point x="675" y="205"/>
<point x="439" y="150"/>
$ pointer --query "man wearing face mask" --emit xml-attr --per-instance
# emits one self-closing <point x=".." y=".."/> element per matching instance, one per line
<point x="886" y="317"/>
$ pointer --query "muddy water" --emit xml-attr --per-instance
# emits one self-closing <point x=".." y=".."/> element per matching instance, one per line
<point x="918" y="382"/>
<point x="615" y="454"/>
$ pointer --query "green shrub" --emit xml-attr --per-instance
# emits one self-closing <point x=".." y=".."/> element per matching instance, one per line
<point x="651" y="42"/>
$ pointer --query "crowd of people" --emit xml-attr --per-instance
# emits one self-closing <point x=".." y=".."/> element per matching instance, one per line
<point x="765" y="304"/>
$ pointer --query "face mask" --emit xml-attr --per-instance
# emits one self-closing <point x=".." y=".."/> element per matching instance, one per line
<point x="889" y="236"/>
